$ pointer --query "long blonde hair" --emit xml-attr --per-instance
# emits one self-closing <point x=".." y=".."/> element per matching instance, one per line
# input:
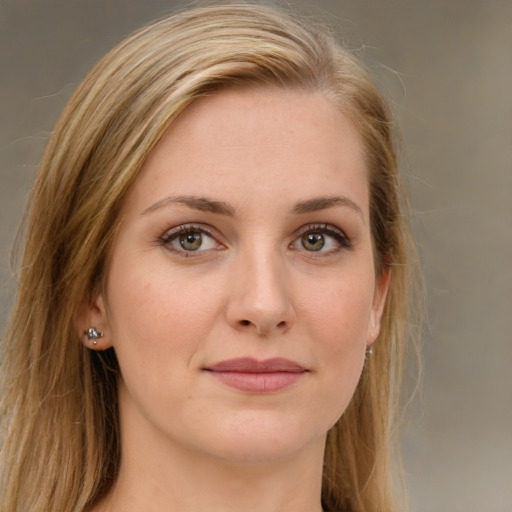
<point x="58" y="411"/>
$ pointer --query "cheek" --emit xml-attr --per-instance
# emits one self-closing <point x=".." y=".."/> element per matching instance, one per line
<point x="339" y="312"/>
<point x="338" y="322"/>
<point x="148" y="303"/>
<point x="158" y="321"/>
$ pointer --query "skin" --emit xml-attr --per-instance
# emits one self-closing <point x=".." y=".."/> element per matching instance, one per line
<point x="253" y="288"/>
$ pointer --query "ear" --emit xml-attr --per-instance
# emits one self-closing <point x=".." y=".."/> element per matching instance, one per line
<point x="92" y="325"/>
<point x="379" y="300"/>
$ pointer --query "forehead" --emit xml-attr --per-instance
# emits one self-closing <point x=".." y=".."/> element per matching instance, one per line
<point x="243" y="143"/>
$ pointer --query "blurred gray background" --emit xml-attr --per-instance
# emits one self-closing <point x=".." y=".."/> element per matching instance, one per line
<point x="447" y="68"/>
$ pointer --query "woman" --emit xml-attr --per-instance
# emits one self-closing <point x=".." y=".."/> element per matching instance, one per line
<point x="214" y="247"/>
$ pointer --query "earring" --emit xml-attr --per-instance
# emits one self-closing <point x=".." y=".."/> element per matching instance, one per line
<point x="369" y="351"/>
<point x="93" y="334"/>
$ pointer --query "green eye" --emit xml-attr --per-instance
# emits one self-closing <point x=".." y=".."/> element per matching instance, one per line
<point x="313" y="241"/>
<point x="191" y="241"/>
<point x="187" y="239"/>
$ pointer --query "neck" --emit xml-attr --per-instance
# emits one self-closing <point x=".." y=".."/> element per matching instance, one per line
<point x="155" y="481"/>
<point x="226" y="489"/>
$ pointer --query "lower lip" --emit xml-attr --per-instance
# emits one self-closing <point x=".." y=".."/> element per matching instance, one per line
<point x="261" y="382"/>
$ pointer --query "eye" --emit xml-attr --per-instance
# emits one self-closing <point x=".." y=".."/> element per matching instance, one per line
<point x="313" y="241"/>
<point x="321" y="238"/>
<point x="189" y="239"/>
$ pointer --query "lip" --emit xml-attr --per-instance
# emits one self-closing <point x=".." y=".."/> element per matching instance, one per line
<point x="253" y="376"/>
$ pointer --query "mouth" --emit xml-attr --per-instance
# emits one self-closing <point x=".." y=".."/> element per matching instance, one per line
<point x="253" y="376"/>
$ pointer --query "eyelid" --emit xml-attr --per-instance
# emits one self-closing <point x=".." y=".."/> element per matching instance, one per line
<point x="344" y="241"/>
<point x="185" y="228"/>
<point x="171" y="234"/>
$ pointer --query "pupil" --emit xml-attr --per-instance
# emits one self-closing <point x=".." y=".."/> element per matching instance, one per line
<point x="313" y="241"/>
<point x="191" y="241"/>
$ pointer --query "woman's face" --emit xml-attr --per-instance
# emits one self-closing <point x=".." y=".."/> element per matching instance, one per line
<point x="241" y="293"/>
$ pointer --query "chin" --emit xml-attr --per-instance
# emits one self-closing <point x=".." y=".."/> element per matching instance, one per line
<point x="260" y="440"/>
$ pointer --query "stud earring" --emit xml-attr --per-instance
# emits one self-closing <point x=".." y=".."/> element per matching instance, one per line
<point x="93" y="334"/>
<point x="369" y="351"/>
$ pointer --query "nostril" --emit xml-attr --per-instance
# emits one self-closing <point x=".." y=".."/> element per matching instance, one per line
<point x="261" y="327"/>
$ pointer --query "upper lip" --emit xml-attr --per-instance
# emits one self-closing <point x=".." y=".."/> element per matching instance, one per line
<point x="250" y="365"/>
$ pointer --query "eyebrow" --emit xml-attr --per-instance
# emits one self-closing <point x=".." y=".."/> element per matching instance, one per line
<point x="197" y="203"/>
<point x="323" y="203"/>
<point x="205" y="204"/>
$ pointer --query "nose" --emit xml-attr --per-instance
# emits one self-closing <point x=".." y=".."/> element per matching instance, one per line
<point x="260" y="298"/>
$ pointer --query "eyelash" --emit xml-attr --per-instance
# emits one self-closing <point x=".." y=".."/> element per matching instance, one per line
<point x="343" y="241"/>
<point x="339" y="236"/>
<point x="170" y="236"/>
